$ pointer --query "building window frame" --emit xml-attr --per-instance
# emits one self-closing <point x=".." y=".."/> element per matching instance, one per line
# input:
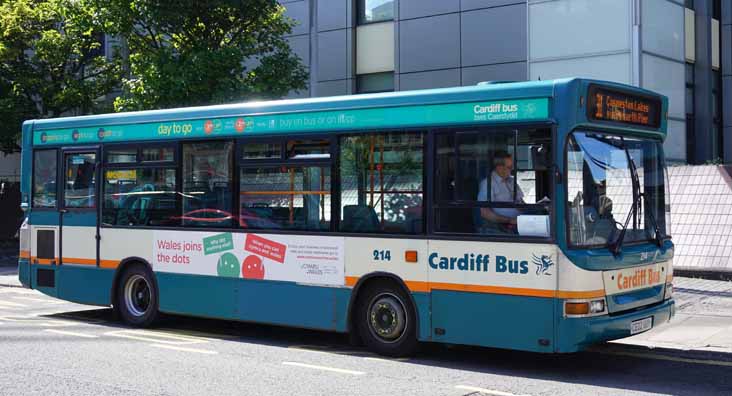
<point x="361" y="7"/>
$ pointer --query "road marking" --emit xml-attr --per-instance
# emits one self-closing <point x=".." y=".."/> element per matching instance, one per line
<point x="490" y="392"/>
<point x="80" y="319"/>
<point x="199" y="334"/>
<point x="158" y="337"/>
<point x="12" y="304"/>
<point x="299" y="348"/>
<point x="32" y="319"/>
<point x="669" y="358"/>
<point x="174" y="335"/>
<point x="57" y="323"/>
<point x="34" y="299"/>
<point x="325" y="350"/>
<point x="18" y="291"/>
<point x="71" y="333"/>
<point x="325" y="368"/>
<point x="183" y="349"/>
<point x="378" y="359"/>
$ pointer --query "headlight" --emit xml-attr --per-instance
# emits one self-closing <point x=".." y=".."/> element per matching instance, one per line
<point x="578" y="308"/>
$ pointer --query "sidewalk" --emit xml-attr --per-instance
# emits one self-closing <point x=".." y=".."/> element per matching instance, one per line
<point x="703" y="321"/>
<point x="702" y="325"/>
<point x="9" y="277"/>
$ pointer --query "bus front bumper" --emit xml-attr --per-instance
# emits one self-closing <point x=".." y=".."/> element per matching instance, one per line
<point x="576" y="334"/>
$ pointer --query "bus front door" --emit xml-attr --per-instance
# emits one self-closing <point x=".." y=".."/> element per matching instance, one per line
<point x="78" y="224"/>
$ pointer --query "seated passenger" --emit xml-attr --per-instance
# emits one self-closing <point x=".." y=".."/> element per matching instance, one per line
<point x="502" y="191"/>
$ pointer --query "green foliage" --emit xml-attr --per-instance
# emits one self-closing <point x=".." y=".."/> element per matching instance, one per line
<point x="193" y="52"/>
<point x="51" y="63"/>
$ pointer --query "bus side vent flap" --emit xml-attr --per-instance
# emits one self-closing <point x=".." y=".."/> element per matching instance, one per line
<point x="46" y="278"/>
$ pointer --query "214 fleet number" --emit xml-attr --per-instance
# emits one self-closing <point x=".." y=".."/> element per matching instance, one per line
<point x="382" y="255"/>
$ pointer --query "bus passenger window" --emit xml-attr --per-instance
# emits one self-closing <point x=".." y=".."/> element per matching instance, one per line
<point x="80" y="185"/>
<point x="140" y="196"/>
<point x="207" y="184"/>
<point x="486" y="179"/>
<point x="44" y="179"/>
<point x="285" y="197"/>
<point x="140" y="186"/>
<point x="381" y="183"/>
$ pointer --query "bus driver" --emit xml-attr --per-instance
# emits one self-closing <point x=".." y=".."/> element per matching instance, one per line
<point x="502" y="191"/>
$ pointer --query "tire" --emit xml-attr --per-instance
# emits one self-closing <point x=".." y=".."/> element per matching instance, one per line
<point x="137" y="297"/>
<point x="386" y="320"/>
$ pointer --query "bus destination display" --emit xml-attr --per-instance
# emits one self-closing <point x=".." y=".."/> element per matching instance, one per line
<point x="615" y="106"/>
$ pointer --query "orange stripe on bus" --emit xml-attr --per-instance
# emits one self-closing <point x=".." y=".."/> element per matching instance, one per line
<point x="24" y="254"/>
<point x="567" y="294"/>
<point x="514" y="291"/>
<point x="108" y="263"/>
<point x="418" y="286"/>
<point x="79" y="261"/>
<point x="43" y="261"/>
<point x="284" y="193"/>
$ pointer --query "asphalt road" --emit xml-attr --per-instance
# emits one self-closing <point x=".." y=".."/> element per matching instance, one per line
<point x="51" y="347"/>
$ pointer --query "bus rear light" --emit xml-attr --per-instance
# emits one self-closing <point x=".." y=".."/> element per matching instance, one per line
<point x="584" y="308"/>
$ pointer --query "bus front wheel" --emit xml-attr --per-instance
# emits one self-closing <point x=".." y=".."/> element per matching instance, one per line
<point x="386" y="320"/>
<point x="137" y="297"/>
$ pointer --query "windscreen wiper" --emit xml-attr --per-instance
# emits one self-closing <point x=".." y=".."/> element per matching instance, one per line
<point x="617" y="245"/>
<point x="656" y="229"/>
<point x="639" y="199"/>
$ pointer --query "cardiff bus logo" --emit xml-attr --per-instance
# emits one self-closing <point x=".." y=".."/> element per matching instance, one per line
<point x="543" y="264"/>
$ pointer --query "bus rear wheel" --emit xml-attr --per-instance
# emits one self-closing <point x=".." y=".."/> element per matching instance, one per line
<point x="137" y="297"/>
<point x="386" y="321"/>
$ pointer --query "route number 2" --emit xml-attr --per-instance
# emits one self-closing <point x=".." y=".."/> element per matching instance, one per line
<point x="382" y="255"/>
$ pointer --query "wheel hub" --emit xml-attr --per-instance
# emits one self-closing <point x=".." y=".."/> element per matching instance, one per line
<point x="387" y="317"/>
<point x="137" y="295"/>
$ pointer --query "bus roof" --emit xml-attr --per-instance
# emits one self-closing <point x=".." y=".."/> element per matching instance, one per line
<point x="475" y="94"/>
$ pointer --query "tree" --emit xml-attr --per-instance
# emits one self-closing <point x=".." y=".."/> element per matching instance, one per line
<point x="199" y="52"/>
<point x="51" y="63"/>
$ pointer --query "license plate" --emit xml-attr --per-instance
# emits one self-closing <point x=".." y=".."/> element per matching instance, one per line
<point x="641" y="325"/>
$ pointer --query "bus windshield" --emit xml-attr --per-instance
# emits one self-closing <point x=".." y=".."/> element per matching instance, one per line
<point x="607" y="176"/>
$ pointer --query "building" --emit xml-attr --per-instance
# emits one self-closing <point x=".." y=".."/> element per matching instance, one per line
<point x="680" y="48"/>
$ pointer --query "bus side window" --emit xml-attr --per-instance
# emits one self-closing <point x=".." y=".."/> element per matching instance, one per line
<point x="44" y="178"/>
<point x="207" y="184"/>
<point x="486" y="178"/>
<point x="80" y="181"/>
<point x="381" y="183"/>
<point x="137" y="195"/>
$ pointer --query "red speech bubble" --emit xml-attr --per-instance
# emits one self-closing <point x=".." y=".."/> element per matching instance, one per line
<point x="265" y="248"/>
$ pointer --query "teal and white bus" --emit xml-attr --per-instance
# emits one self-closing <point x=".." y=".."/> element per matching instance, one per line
<point x="528" y="215"/>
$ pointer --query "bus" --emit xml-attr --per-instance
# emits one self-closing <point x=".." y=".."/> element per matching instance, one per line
<point x="520" y="215"/>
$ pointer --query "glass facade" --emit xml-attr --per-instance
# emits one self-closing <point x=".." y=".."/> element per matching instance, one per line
<point x="370" y="11"/>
